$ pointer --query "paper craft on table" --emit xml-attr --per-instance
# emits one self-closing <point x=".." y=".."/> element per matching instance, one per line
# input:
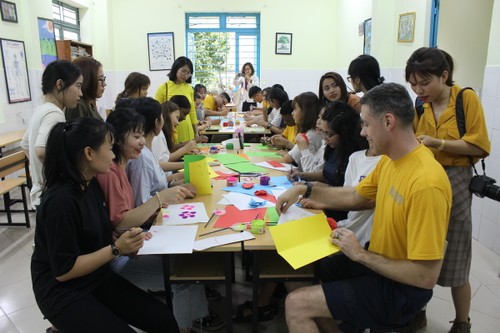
<point x="234" y="215"/>
<point x="170" y="239"/>
<point x="207" y="243"/>
<point x="196" y="172"/>
<point x="251" y="191"/>
<point x="294" y="213"/>
<point x="303" y="241"/>
<point x="244" y="167"/>
<point x="271" y="216"/>
<point x="244" y="202"/>
<point x="285" y="168"/>
<point x="186" y="213"/>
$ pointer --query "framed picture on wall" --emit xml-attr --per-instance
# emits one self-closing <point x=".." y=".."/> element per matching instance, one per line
<point x="283" y="43"/>
<point x="406" y="27"/>
<point x="161" y="50"/>
<point x="47" y="39"/>
<point x="367" y="36"/>
<point x="16" y="70"/>
<point x="9" y="12"/>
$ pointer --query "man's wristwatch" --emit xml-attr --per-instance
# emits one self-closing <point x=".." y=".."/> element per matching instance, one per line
<point x="308" y="190"/>
<point x="115" y="250"/>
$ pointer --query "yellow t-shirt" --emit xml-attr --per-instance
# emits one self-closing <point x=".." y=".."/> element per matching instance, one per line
<point x="185" y="128"/>
<point x="290" y="133"/>
<point x="209" y="103"/>
<point x="413" y="202"/>
<point x="446" y="127"/>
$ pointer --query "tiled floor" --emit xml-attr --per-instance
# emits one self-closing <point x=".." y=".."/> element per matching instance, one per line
<point x="19" y="312"/>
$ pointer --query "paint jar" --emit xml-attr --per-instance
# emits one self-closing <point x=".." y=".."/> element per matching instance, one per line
<point x="258" y="227"/>
<point x="229" y="146"/>
<point x="214" y="150"/>
<point x="264" y="180"/>
<point x="231" y="181"/>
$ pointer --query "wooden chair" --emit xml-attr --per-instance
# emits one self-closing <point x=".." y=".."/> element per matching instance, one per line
<point x="9" y="165"/>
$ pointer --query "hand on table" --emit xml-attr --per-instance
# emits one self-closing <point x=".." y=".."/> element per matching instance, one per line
<point x="174" y="195"/>
<point x="190" y="147"/>
<point x="190" y="187"/>
<point x="289" y="198"/>
<point x="312" y="204"/>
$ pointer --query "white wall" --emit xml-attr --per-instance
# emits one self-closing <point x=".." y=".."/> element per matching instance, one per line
<point x="486" y="212"/>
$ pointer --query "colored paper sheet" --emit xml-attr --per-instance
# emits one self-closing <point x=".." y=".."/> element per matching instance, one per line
<point x="229" y="158"/>
<point x="196" y="173"/>
<point x="285" y="168"/>
<point x="272" y="216"/>
<point x="303" y="241"/>
<point x="251" y="191"/>
<point x="246" y="202"/>
<point x="263" y="147"/>
<point x="234" y="215"/>
<point x="222" y="175"/>
<point x="262" y="153"/>
<point x="186" y="213"/>
<point x="245" y="167"/>
<point x="281" y="181"/>
<point x="276" y="164"/>
<point x="170" y="239"/>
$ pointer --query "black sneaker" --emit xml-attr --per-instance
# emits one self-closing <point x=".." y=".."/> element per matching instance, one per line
<point x="460" y="326"/>
<point x="210" y="323"/>
<point x="212" y="294"/>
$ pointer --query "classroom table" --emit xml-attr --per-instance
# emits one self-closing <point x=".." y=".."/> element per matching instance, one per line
<point x="10" y="138"/>
<point x="260" y="243"/>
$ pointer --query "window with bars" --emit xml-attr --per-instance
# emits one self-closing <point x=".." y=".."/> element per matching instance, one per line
<point x="219" y="44"/>
<point x="66" y="21"/>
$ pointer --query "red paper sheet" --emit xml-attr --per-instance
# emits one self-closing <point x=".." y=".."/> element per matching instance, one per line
<point x="223" y="175"/>
<point x="234" y="215"/>
<point x="275" y="164"/>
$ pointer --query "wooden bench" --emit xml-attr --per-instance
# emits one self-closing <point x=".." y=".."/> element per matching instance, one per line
<point x="10" y="165"/>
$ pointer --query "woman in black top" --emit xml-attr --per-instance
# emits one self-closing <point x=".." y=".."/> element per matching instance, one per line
<point x="72" y="282"/>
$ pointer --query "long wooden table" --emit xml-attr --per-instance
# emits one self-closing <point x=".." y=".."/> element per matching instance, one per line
<point x="10" y="138"/>
<point x="262" y="242"/>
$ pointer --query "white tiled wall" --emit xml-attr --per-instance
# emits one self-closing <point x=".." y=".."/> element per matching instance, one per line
<point x="486" y="212"/>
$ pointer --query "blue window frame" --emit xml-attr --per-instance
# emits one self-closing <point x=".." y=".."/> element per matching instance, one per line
<point x="219" y="44"/>
<point x="434" y="23"/>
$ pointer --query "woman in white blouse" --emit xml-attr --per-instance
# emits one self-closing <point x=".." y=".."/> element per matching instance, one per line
<point x="245" y="80"/>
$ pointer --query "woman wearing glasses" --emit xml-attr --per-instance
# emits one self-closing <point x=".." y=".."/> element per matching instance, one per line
<point x="93" y="86"/>
<point x="179" y="83"/>
<point x="333" y="88"/>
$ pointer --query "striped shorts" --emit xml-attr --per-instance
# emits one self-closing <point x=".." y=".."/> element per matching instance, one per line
<point x="457" y="260"/>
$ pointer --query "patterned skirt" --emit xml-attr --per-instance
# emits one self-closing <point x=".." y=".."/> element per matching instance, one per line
<point x="457" y="260"/>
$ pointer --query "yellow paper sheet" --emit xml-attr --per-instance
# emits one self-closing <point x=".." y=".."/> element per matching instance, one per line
<point x="303" y="241"/>
<point x="198" y="174"/>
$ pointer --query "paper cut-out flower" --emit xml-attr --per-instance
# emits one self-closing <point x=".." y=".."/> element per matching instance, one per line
<point x="187" y="214"/>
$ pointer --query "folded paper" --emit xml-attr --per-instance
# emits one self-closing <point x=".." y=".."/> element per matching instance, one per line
<point x="196" y="172"/>
<point x="303" y="241"/>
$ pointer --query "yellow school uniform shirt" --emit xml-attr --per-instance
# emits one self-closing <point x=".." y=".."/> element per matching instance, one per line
<point x="184" y="130"/>
<point x="209" y="103"/>
<point x="446" y="127"/>
<point x="290" y="133"/>
<point x="412" y="210"/>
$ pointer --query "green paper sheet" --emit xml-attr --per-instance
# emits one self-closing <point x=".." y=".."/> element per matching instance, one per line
<point x="245" y="167"/>
<point x="188" y="159"/>
<point x="261" y="146"/>
<point x="229" y="158"/>
<point x="261" y="153"/>
<point x="272" y="216"/>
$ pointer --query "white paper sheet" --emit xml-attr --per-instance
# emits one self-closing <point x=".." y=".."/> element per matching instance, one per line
<point x="207" y="243"/>
<point x="285" y="168"/>
<point x="277" y="191"/>
<point x="224" y="202"/>
<point x="242" y="201"/>
<point x="170" y="239"/>
<point x="294" y="213"/>
<point x="187" y="213"/>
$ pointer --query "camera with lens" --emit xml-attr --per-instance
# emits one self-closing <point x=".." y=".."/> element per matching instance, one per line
<point x="483" y="186"/>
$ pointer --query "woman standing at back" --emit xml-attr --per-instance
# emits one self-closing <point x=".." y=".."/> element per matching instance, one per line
<point x="245" y="80"/>
<point x="364" y="73"/>
<point x="430" y="74"/>
<point x="93" y="86"/>
<point x="179" y="83"/>
<point x="61" y="88"/>
<point x="136" y="86"/>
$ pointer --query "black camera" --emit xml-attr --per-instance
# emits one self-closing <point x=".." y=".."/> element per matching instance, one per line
<point x="482" y="186"/>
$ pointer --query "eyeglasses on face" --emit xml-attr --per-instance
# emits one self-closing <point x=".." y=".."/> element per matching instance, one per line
<point x="102" y="79"/>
